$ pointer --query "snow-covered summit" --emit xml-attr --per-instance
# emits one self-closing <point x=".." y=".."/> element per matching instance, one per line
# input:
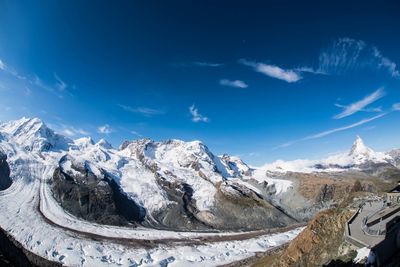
<point x="359" y="157"/>
<point x="84" y="142"/>
<point x="360" y="149"/>
<point x="33" y="135"/>
<point x="104" y="144"/>
<point x="361" y="154"/>
<point x="235" y="166"/>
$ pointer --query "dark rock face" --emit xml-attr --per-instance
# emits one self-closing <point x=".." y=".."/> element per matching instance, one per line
<point x="382" y="170"/>
<point x="96" y="199"/>
<point x="326" y="193"/>
<point x="181" y="212"/>
<point x="237" y="207"/>
<point x="5" y="180"/>
<point x="13" y="253"/>
<point x="125" y="206"/>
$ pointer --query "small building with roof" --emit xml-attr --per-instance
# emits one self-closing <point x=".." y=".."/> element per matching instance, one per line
<point x="393" y="196"/>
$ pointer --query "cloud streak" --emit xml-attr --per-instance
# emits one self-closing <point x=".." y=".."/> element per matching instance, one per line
<point x="396" y="107"/>
<point x="329" y="132"/>
<point x="60" y="84"/>
<point x="346" y="55"/>
<point x="104" y="129"/>
<point x="72" y="132"/>
<point x="332" y="131"/>
<point x="196" y="116"/>
<point x="273" y="71"/>
<point x="136" y="133"/>
<point x="58" y="88"/>
<point x="361" y="104"/>
<point x="233" y="83"/>
<point x="207" y="64"/>
<point x="148" y="112"/>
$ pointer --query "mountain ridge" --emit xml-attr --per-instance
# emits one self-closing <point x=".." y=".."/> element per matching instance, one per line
<point x="169" y="179"/>
<point x="175" y="179"/>
<point x="359" y="157"/>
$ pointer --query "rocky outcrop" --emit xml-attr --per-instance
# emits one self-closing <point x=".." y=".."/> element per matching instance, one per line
<point x="181" y="212"/>
<point x="319" y="243"/>
<point x="326" y="193"/>
<point x="395" y="154"/>
<point x="239" y="207"/>
<point x="5" y="180"/>
<point x="13" y="253"/>
<point x="93" y="198"/>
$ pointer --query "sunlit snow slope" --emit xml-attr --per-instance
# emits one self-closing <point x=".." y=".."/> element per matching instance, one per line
<point x="31" y="215"/>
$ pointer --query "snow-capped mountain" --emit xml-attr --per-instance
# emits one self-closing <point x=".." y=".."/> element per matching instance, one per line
<point x="395" y="155"/>
<point x="33" y="135"/>
<point x="165" y="184"/>
<point x="139" y="204"/>
<point x="360" y="154"/>
<point x="235" y="166"/>
<point x="360" y="157"/>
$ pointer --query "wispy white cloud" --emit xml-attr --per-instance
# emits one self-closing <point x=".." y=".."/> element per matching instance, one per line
<point x="136" y="133"/>
<point x="11" y="71"/>
<point x="196" y="116"/>
<point x="347" y="55"/>
<point x="233" y="83"/>
<point x="369" y="128"/>
<point x="197" y="64"/>
<point x="39" y="83"/>
<point x="207" y="64"/>
<point x="104" y="129"/>
<point x="72" y="131"/>
<point x="65" y="129"/>
<point x="287" y="144"/>
<point x="361" y="104"/>
<point x="386" y="63"/>
<point x="273" y="71"/>
<point x="253" y="154"/>
<point x="332" y="131"/>
<point x="57" y="88"/>
<point x="343" y="56"/>
<point x="310" y="70"/>
<point x="60" y="84"/>
<point x="27" y="91"/>
<point x="361" y="122"/>
<point x="396" y="107"/>
<point x="374" y="109"/>
<point x="148" y="112"/>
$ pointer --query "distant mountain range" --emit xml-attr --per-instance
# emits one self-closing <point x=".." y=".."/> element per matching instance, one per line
<point x="171" y="184"/>
<point x="360" y="157"/>
<point x="170" y="191"/>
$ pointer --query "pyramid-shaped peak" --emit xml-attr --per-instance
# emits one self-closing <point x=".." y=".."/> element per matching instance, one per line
<point x="359" y="148"/>
<point x="359" y="141"/>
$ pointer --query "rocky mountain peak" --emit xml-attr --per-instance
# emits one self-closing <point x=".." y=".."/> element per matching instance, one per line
<point x="104" y="144"/>
<point x="27" y="126"/>
<point x="359" y="148"/>
<point x="33" y="134"/>
<point x="84" y="142"/>
<point x="236" y="165"/>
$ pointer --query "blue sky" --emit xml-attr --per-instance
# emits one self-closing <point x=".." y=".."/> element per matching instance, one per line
<point x="264" y="80"/>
